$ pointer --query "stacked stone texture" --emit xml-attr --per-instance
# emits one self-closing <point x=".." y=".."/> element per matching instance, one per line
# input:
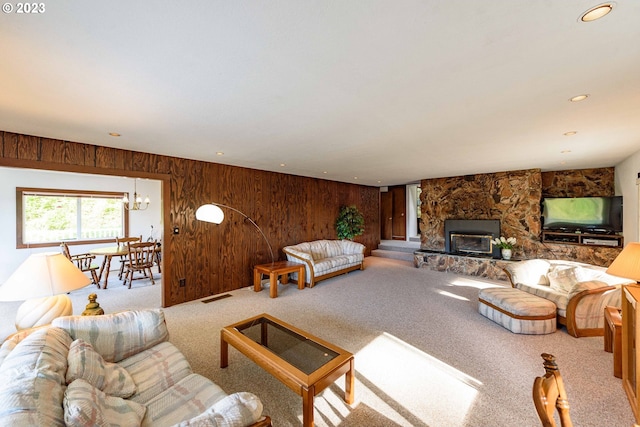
<point x="513" y="198"/>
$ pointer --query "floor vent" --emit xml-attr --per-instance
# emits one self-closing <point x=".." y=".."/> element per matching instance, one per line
<point x="206" y="301"/>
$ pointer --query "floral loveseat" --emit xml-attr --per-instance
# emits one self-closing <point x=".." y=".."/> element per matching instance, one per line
<point x="326" y="258"/>
<point x="579" y="291"/>
<point x="116" y="369"/>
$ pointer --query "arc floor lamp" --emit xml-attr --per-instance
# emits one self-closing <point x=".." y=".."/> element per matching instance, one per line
<point x="212" y="212"/>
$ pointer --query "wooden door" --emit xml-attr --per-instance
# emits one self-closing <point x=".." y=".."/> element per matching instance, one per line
<point x="386" y="212"/>
<point x="399" y="227"/>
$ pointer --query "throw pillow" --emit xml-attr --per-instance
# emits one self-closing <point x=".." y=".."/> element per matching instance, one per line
<point x="562" y="279"/>
<point x="86" y="363"/>
<point x="238" y="409"/>
<point x="85" y="405"/>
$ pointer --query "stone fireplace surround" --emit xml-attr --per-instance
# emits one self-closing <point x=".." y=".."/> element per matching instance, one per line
<point x="513" y="198"/>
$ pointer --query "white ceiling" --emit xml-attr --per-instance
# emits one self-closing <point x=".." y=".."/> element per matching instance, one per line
<point x="387" y="91"/>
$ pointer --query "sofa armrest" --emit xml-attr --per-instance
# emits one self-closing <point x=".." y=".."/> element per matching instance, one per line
<point x="117" y="336"/>
<point x="237" y="409"/>
<point x="585" y="311"/>
<point x="302" y="256"/>
<point x="265" y="421"/>
<point x="351" y="248"/>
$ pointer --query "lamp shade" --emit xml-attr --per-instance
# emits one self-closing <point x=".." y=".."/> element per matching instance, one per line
<point x="42" y="275"/>
<point x="210" y="213"/>
<point x="627" y="264"/>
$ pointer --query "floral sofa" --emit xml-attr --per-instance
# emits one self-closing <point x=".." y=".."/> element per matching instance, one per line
<point x="116" y="369"/>
<point x="579" y="291"/>
<point x="326" y="258"/>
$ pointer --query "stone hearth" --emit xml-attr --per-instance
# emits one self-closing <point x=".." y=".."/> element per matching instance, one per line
<point x="487" y="268"/>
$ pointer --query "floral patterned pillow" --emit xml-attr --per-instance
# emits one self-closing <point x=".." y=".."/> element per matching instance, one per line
<point x="87" y="364"/>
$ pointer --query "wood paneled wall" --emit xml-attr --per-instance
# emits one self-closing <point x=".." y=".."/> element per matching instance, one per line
<point x="212" y="258"/>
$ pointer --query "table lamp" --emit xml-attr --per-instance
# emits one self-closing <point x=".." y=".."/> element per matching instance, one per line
<point x="212" y="213"/>
<point x="627" y="263"/>
<point x="43" y="280"/>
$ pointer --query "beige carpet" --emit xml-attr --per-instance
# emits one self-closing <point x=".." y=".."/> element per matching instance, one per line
<point x="423" y="354"/>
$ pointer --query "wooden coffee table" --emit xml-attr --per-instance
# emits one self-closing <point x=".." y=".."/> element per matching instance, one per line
<point x="275" y="270"/>
<point x="304" y="363"/>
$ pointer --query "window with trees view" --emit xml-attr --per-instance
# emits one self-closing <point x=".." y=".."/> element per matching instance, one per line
<point x="49" y="217"/>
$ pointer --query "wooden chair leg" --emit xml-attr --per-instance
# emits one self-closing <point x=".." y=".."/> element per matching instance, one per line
<point x="94" y="278"/>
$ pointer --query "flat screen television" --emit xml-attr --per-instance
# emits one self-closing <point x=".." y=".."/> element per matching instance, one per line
<point x="583" y="214"/>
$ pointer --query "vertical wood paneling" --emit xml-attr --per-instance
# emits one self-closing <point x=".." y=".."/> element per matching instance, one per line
<point x="28" y="147"/>
<point x="74" y="153"/>
<point x="51" y="150"/>
<point x="219" y="258"/>
<point x="105" y="158"/>
<point x="10" y="145"/>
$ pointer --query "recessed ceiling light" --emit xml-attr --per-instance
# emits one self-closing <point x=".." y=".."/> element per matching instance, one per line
<point x="565" y="151"/>
<point x="283" y="164"/>
<point x="355" y="177"/>
<point x="570" y="133"/>
<point x="597" y="12"/>
<point x="219" y="153"/>
<point x="324" y="172"/>
<point x="579" y="98"/>
<point x="116" y="134"/>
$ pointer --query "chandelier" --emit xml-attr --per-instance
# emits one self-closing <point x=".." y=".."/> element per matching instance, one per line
<point x="137" y="200"/>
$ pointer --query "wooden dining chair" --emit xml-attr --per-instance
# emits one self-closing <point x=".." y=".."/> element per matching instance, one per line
<point x="122" y="242"/>
<point x="140" y="259"/>
<point x="84" y="262"/>
<point x="549" y="395"/>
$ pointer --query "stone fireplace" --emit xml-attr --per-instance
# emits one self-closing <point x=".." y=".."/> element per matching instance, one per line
<point x="471" y="237"/>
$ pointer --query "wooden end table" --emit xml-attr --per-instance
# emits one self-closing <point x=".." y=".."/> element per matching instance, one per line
<point x="275" y="270"/>
<point x="613" y="337"/>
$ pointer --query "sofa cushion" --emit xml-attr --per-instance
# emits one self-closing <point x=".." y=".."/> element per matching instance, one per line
<point x="155" y="370"/>
<point x="188" y="398"/>
<point x="530" y="272"/>
<point x="562" y="278"/>
<point x="238" y="409"/>
<point x="119" y="335"/>
<point x="559" y="298"/>
<point x="86" y="363"/>
<point x="85" y="405"/>
<point x="33" y="380"/>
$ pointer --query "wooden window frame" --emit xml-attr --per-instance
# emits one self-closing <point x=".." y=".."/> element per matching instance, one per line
<point x="20" y="244"/>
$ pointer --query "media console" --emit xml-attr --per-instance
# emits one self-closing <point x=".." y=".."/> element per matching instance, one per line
<point x="588" y="239"/>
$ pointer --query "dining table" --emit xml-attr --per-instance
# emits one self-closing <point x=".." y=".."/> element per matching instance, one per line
<point x="108" y="252"/>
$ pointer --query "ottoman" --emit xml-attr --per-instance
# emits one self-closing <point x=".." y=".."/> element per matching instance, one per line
<point x="518" y="311"/>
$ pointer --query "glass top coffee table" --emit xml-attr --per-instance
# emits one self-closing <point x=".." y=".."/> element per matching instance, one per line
<point x="304" y="363"/>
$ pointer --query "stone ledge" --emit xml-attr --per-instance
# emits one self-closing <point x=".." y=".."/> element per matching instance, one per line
<point x="488" y="268"/>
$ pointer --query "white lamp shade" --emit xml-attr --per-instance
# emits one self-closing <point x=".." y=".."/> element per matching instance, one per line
<point x="210" y="213"/>
<point x="41" y="275"/>
<point x="627" y="263"/>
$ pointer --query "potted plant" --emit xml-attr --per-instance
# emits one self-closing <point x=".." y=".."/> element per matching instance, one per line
<point x="350" y="222"/>
<point x="505" y="244"/>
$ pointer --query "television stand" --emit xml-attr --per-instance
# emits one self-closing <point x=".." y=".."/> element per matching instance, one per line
<point x="585" y="239"/>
